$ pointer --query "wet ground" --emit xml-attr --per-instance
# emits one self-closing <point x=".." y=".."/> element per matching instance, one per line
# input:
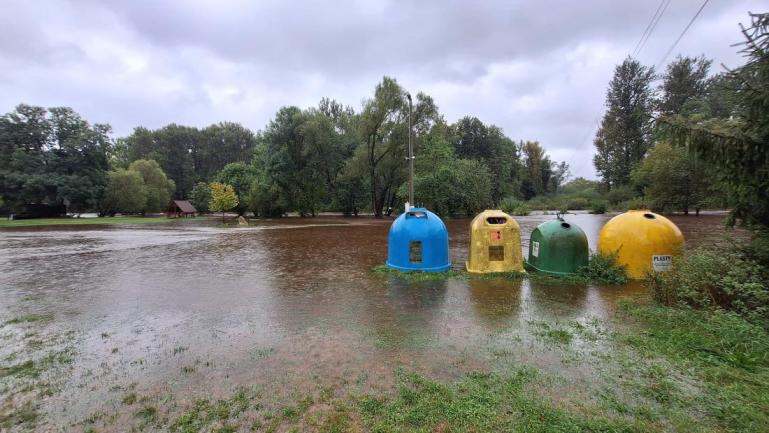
<point x="291" y="306"/>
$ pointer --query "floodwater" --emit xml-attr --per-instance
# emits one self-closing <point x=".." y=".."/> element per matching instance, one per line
<point x="190" y="309"/>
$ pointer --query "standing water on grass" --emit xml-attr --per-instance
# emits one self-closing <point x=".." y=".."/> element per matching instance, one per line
<point x="177" y="312"/>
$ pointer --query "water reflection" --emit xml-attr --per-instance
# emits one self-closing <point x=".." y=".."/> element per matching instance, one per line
<point x="496" y="302"/>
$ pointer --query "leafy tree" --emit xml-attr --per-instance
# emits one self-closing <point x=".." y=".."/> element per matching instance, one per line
<point x="720" y="99"/>
<point x="201" y="196"/>
<point x="223" y="198"/>
<point x="264" y="199"/>
<point x="737" y="146"/>
<point x="536" y="170"/>
<point x="219" y="145"/>
<point x="52" y="156"/>
<point x="559" y="173"/>
<point x="332" y="136"/>
<point x="625" y="132"/>
<point x="669" y="180"/>
<point x="350" y="195"/>
<point x="384" y="130"/>
<point x="125" y="192"/>
<point x="159" y="188"/>
<point x="488" y="144"/>
<point x="685" y="80"/>
<point x="171" y="147"/>
<point x="241" y="177"/>
<point x="290" y="162"/>
<point x="461" y="187"/>
<point x="176" y="142"/>
<point x="188" y="154"/>
<point x="447" y="184"/>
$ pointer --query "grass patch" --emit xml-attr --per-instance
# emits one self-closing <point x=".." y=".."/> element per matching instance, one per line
<point x="33" y="369"/>
<point x="338" y="421"/>
<point x="725" y="352"/>
<point x="23" y="369"/>
<point x="415" y="276"/>
<point x="26" y="415"/>
<point x="262" y="353"/>
<point x="552" y="334"/>
<point x="38" y="222"/>
<point x="203" y="412"/>
<point x="148" y="414"/>
<point x="479" y="402"/>
<point x="130" y="399"/>
<point x="30" y="318"/>
<point x="599" y="270"/>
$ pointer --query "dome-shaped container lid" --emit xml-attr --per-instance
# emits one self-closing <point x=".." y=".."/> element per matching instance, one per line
<point x="493" y="218"/>
<point x="560" y="227"/>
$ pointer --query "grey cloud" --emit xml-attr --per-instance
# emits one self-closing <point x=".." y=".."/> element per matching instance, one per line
<point x="539" y="70"/>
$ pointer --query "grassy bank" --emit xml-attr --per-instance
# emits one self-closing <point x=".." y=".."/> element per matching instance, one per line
<point x="667" y="369"/>
<point x="40" y="222"/>
<point x="659" y="369"/>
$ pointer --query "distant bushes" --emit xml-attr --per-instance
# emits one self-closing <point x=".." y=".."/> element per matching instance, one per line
<point x="578" y="203"/>
<point x="732" y="279"/>
<point x="599" y="207"/>
<point x="516" y="207"/>
<point x="590" y="195"/>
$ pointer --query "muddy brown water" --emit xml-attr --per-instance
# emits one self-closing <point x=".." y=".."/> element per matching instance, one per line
<point x="194" y="310"/>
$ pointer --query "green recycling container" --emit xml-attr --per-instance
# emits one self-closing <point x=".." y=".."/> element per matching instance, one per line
<point x="557" y="247"/>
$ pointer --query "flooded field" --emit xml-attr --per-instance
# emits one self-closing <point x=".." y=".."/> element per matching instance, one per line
<point x="154" y="318"/>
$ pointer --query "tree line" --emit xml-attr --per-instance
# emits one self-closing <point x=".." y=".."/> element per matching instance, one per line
<point x="325" y="158"/>
<point x="695" y="140"/>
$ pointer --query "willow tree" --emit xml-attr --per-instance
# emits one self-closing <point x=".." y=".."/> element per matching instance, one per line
<point x="384" y="129"/>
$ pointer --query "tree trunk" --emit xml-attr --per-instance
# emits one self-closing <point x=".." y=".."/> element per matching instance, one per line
<point x="374" y="201"/>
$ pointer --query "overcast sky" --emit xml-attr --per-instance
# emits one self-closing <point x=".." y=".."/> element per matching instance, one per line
<point x="538" y="69"/>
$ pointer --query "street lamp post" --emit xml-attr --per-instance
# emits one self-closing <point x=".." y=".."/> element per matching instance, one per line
<point x="411" y="158"/>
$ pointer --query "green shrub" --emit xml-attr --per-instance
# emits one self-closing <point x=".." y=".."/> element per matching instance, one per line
<point x="598" y="208"/>
<point x="509" y="203"/>
<point x="758" y="250"/>
<point x="578" y="203"/>
<point x="513" y="206"/>
<point x="633" y="203"/>
<point x="521" y="210"/>
<point x="604" y="269"/>
<point x="620" y="194"/>
<point x="543" y="202"/>
<point x="727" y="279"/>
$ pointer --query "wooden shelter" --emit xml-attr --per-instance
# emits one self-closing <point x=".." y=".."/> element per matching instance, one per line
<point x="180" y="209"/>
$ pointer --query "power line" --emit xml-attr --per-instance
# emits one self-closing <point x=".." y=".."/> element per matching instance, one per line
<point x="650" y="27"/>
<point x="672" y="47"/>
<point x="654" y="26"/>
<point x="647" y="27"/>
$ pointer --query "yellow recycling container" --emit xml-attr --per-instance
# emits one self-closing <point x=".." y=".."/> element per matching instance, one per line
<point x="643" y="241"/>
<point x="495" y="243"/>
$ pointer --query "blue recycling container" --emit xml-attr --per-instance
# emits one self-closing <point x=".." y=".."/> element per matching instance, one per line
<point x="418" y="241"/>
